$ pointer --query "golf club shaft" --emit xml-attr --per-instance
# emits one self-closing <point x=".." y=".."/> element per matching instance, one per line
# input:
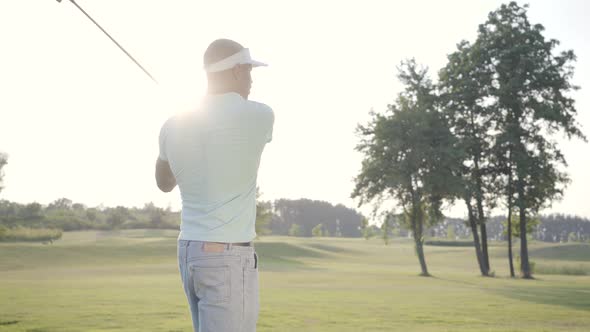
<point x="114" y="41"/>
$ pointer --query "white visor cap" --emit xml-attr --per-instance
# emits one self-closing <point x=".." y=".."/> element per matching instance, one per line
<point x="241" y="58"/>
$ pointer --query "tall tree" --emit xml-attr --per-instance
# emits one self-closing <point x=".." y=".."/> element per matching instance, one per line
<point x="409" y="156"/>
<point x="462" y="87"/>
<point x="529" y="89"/>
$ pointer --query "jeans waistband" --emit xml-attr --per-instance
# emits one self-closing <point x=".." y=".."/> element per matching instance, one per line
<point x="229" y="245"/>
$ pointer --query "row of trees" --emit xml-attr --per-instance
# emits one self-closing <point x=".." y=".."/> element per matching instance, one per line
<point x="558" y="228"/>
<point x="272" y="218"/>
<point x="484" y="134"/>
<point x="63" y="214"/>
<point x="68" y="216"/>
<point x="285" y="217"/>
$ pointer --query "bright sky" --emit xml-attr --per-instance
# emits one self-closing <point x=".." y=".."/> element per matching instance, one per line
<point x="80" y="120"/>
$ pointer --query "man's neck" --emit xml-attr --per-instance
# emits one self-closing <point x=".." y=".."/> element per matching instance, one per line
<point x="222" y="90"/>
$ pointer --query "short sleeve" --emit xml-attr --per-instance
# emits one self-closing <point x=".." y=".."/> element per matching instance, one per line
<point x="265" y="118"/>
<point x="270" y="125"/>
<point x="162" y="141"/>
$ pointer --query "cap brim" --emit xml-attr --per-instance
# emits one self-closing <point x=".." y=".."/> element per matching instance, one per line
<point x="255" y="63"/>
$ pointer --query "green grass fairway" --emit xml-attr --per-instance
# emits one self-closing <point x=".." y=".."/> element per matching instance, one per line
<point x="129" y="281"/>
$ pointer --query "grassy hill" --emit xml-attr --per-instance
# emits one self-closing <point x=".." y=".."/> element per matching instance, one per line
<point x="129" y="281"/>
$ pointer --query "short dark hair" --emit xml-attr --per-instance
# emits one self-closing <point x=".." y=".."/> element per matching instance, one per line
<point x="220" y="49"/>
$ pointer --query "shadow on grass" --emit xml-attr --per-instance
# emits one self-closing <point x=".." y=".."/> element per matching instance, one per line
<point x="8" y="322"/>
<point x="459" y="282"/>
<point x="116" y="253"/>
<point x="332" y="249"/>
<point x="571" y="252"/>
<point x="279" y="256"/>
<point x="573" y="298"/>
<point x="283" y="250"/>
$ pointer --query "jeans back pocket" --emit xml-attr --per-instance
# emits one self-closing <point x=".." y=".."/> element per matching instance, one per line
<point x="211" y="283"/>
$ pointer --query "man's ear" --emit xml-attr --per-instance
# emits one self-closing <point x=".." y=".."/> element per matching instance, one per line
<point x="235" y="71"/>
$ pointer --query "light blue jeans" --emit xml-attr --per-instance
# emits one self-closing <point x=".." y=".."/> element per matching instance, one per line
<point x="221" y="284"/>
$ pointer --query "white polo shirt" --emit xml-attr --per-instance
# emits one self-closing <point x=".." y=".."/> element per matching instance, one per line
<point x="214" y="153"/>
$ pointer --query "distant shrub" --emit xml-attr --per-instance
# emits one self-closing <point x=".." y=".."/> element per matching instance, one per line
<point x="563" y="270"/>
<point x="451" y="232"/>
<point x="317" y="230"/>
<point x="572" y="237"/>
<point x="20" y="233"/>
<point x="295" y="230"/>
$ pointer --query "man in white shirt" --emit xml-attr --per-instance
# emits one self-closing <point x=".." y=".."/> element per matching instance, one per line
<point x="213" y="154"/>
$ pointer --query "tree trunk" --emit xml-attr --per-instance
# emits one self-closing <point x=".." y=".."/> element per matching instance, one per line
<point x="481" y="216"/>
<point x="476" y="243"/>
<point x="524" y="253"/>
<point x="421" y="258"/>
<point x="484" y="245"/>
<point x="510" y="240"/>
<point x="510" y="222"/>
<point x="417" y="222"/>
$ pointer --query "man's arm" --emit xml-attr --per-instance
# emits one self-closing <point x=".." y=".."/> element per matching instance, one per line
<point x="164" y="177"/>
